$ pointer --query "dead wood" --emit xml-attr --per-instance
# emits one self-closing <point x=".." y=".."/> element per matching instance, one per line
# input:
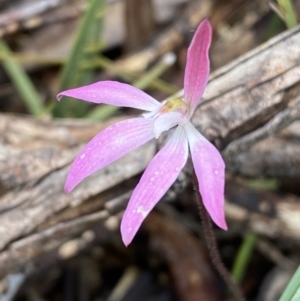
<point x="34" y="14"/>
<point x="250" y="110"/>
<point x="139" y="17"/>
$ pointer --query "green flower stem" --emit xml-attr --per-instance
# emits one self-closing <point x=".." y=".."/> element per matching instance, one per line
<point x="243" y="256"/>
<point x="21" y="81"/>
<point x="292" y="288"/>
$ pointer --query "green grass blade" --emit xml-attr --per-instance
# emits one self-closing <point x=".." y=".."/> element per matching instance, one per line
<point x="263" y="184"/>
<point x="71" y="75"/>
<point x="243" y="257"/>
<point x="292" y="288"/>
<point x="289" y="13"/>
<point x="296" y="297"/>
<point x="21" y="81"/>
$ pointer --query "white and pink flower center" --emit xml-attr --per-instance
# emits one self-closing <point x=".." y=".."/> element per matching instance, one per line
<point x="172" y="112"/>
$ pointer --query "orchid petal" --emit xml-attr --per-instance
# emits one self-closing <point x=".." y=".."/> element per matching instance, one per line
<point x="160" y="174"/>
<point x="113" y="93"/>
<point x="197" y="65"/>
<point x="108" y="146"/>
<point x="210" y="171"/>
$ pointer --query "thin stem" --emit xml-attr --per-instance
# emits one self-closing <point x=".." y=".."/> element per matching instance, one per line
<point x="243" y="257"/>
<point x="213" y="246"/>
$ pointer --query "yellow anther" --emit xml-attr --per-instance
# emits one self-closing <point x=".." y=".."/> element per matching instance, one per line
<point x="174" y="105"/>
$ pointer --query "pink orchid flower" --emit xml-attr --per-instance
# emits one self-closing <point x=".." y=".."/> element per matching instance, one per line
<point x="122" y="137"/>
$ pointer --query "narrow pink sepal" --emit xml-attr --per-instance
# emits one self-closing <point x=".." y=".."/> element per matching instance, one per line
<point x="113" y="93"/>
<point x="160" y="174"/>
<point x="210" y="170"/>
<point x="108" y="146"/>
<point x="197" y="65"/>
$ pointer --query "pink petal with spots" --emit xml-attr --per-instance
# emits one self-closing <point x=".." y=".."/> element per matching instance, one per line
<point x="197" y="65"/>
<point x="210" y="170"/>
<point x="108" y="146"/>
<point x="161" y="173"/>
<point x="113" y="93"/>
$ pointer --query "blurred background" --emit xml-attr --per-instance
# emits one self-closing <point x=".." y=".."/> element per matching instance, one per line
<point x="57" y="247"/>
